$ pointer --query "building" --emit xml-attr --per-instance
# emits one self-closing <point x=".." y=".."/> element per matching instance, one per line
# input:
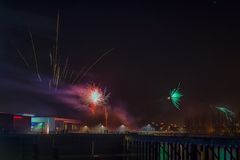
<point x="10" y="123"/>
<point x="54" y="125"/>
<point x="26" y="123"/>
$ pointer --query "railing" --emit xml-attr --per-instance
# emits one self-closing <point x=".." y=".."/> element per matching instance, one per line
<point x="117" y="147"/>
<point x="182" y="148"/>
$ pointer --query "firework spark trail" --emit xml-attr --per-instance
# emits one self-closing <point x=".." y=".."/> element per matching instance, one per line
<point x="106" y="96"/>
<point x="57" y="76"/>
<point x="70" y="75"/>
<point x="35" y="57"/>
<point x="59" y="72"/>
<point x="51" y="63"/>
<point x="53" y="57"/>
<point x="66" y="74"/>
<point x="106" y="115"/>
<point x="54" y="72"/>
<point x="175" y="96"/>
<point x="50" y="84"/>
<point x="106" y="104"/>
<point x="65" y="70"/>
<point x="227" y="112"/>
<point x="75" y="80"/>
<point x="23" y="58"/>
<point x="94" y="63"/>
<point x="50" y="58"/>
<point x="57" y="33"/>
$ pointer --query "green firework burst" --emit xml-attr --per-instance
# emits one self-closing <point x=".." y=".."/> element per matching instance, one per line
<point x="175" y="96"/>
<point x="227" y="112"/>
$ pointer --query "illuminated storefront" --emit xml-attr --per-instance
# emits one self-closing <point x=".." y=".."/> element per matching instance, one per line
<point x="54" y="125"/>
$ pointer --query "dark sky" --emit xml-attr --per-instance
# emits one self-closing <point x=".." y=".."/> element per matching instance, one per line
<point x="156" y="46"/>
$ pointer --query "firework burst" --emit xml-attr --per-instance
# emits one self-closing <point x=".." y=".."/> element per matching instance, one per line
<point x="95" y="95"/>
<point x="92" y="96"/>
<point x="175" y="96"/>
<point x="98" y="97"/>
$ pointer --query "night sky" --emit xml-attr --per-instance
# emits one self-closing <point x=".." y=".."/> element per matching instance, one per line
<point x="156" y="46"/>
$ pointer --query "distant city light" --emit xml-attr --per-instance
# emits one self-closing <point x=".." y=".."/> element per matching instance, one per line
<point x="17" y="117"/>
<point x="122" y="126"/>
<point x="28" y="114"/>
